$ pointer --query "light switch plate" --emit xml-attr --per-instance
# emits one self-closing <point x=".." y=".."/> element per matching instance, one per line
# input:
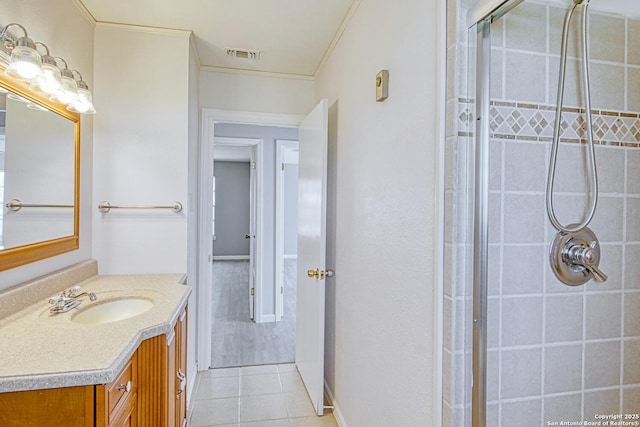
<point x="382" y="85"/>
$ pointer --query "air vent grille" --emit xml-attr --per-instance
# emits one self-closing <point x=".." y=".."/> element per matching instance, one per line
<point x="243" y="53"/>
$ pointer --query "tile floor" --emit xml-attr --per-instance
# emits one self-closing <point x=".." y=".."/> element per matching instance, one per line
<point x="254" y="396"/>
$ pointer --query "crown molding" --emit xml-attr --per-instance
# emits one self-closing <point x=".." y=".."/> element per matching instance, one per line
<point x="257" y="73"/>
<point x="85" y="12"/>
<point x="144" y="29"/>
<point x="337" y="36"/>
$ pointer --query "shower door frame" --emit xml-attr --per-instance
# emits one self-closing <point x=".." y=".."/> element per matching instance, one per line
<point x="482" y="23"/>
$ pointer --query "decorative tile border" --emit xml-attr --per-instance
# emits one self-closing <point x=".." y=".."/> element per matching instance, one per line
<point x="535" y="122"/>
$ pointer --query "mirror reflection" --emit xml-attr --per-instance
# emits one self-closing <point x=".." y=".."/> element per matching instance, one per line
<point x="37" y="173"/>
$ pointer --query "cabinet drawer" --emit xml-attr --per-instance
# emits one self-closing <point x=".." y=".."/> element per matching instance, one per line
<point x="119" y="393"/>
<point x="122" y="387"/>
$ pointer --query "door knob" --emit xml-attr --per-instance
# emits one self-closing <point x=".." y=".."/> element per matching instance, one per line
<point x="319" y="274"/>
<point x="247" y="236"/>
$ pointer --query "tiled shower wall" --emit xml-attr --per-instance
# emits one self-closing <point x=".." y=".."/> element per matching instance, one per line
<point x="557" y="353"/>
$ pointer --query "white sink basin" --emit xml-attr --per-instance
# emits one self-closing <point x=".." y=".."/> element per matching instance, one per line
<point x="112" y="311"/>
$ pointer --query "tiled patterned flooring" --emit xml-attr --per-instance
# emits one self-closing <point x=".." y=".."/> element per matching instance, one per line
<point x="254" y="396"/>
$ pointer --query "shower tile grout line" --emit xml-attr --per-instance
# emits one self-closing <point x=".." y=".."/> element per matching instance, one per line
<point x="545" y="282"/>
<point x="624" y="257"/>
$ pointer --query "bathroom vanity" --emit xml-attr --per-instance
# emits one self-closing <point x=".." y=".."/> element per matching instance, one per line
<point x="120" y="360"/>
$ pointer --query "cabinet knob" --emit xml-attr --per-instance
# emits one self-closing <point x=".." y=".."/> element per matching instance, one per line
<point x="125" y="387"/>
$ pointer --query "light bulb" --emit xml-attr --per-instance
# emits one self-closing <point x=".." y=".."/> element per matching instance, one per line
<point x="83" y="103"/>
<point x="51" y="83"/>
<point x="69" y="90"/>
<point x="25" y="62"/>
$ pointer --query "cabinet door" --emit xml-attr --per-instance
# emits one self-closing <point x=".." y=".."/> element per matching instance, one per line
<point x="69" y="407"/>
<point x="171" y="383"/>
<point x="181" y="374"/>
<point x="160" y="359"/>
<point x="127" y="419"/>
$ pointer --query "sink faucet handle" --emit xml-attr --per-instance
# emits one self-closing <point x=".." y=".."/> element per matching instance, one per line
<point x="56" y="299"/>
<point x="74" y="291"/>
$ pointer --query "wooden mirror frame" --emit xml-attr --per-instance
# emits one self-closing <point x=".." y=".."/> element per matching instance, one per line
<point x="25" y="254"/>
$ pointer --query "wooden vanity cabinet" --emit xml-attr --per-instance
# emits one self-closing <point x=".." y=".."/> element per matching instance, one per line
<point x="68" y="406"/>
<point x="162" y="378"/>
<point x="150" y="391"/>
<point x="116" y="402"/>
<point x="181" y="371"/>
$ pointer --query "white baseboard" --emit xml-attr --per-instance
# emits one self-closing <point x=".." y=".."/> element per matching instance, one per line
<point x="336" y="409"/>
<point x="230" y="257"/>
<point x="294" y="256"/>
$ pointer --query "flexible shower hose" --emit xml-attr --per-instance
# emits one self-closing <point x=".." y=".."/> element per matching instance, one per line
<point x="557" y="128"/>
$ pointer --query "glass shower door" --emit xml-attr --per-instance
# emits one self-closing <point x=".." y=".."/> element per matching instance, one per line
<point x="556" y="352"/>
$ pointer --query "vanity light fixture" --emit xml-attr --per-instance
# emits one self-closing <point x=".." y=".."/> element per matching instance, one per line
<point x="51" y="83"/>
<point x="15" y="97"/>
<point x="22" y="61"/>
<point x="34" y="106"/>
<point x="69" y="92"/>
<point x="83" y="103"/>
<point x="25" y="62"/>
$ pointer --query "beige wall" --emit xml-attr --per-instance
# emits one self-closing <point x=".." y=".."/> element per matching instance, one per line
<point x="68" y="34"/>
<point x="243" y="92"/>
<point x="141" y="149"/>
<point x="384" y="163"/>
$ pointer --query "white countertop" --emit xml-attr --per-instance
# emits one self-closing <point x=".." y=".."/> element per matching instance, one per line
<point x="41" y="350"/>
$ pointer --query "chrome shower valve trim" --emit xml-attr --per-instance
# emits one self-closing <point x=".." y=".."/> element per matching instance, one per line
<point x="575" y="257"/>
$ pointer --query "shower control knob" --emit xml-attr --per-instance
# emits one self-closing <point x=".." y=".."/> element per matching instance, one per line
<point x="590" y="259"/>
<point x="581" y="255"/>
<point x="575" y="257"/>
<point x="598" y="275"/>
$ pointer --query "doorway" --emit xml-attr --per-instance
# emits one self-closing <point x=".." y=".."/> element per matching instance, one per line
<point x="237" y="337"/>
<point x="312" y="237"/>
<point x="237" y="220"/>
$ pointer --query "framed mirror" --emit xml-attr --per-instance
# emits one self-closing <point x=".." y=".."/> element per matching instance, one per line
<point x="39" y="175"/>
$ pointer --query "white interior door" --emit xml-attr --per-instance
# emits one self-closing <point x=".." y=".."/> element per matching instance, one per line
<point x="252" y="232"/>
<point x="312" y="219"/>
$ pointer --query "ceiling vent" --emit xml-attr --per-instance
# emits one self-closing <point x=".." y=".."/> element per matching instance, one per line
<point x="243" y="53"/>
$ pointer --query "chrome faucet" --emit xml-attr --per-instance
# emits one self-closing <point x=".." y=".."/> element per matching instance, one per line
<point x="68" y="300"/>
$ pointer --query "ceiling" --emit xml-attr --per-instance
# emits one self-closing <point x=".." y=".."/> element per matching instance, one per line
<point x="291" y="35"/>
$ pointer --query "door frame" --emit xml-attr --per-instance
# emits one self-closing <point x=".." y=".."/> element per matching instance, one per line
<point x="283" y="146"/>
<point x="256" y="207"/>
<point x="211" y="116"/>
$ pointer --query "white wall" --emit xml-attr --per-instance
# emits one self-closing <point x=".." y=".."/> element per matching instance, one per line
<point x="68" y="34"/>
<point x="141" y="148"/>
<point x="382" y="310"/>
<point x="243" y="92"/>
